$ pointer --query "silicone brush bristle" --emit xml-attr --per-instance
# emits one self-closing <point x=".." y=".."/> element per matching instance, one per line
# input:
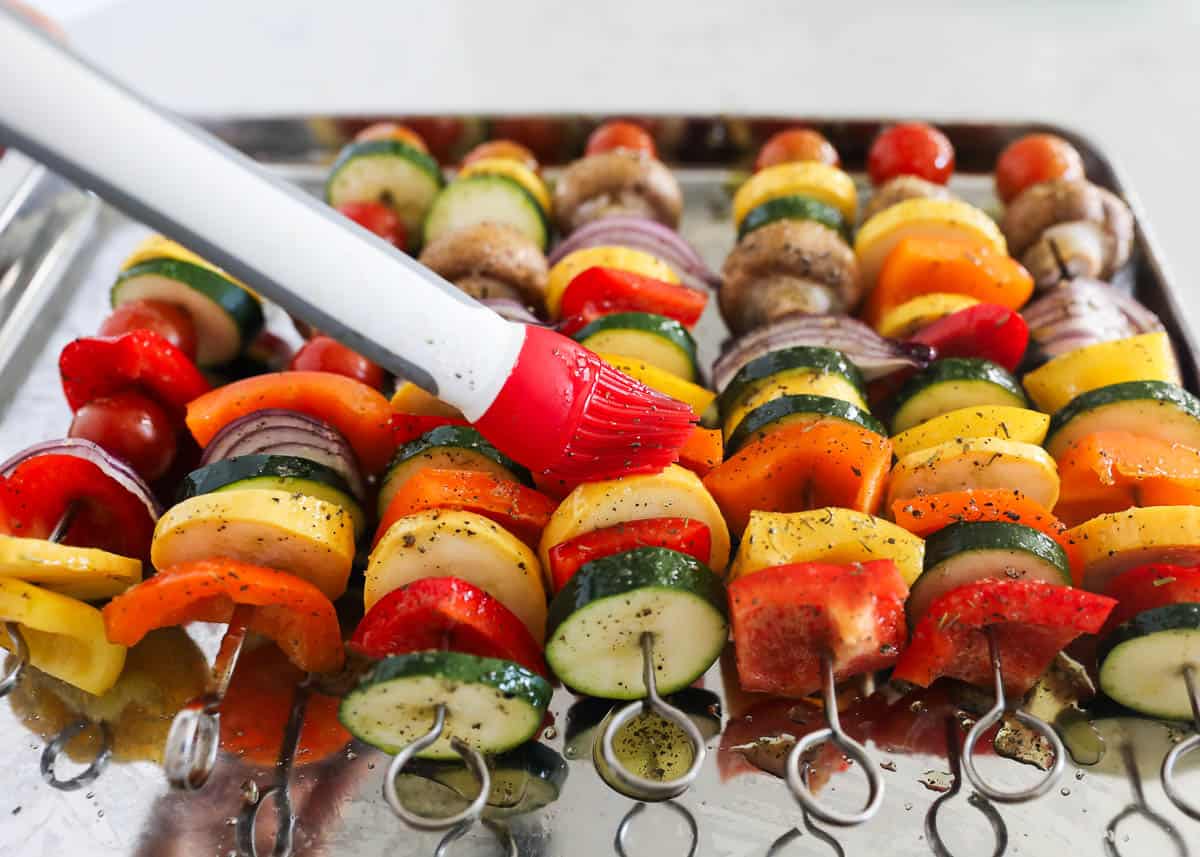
<point x="566" y="413"/>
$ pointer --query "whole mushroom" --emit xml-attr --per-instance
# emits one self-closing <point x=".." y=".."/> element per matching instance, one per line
<point x="1068" y="227"/>
<point x="618" y="182"/>
<point x="899" y="189"/>
<point x="490" y="260"/>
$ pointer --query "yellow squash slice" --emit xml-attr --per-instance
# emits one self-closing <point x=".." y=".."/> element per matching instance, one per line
<point x="1002" y="421"/>
<point x="972" y="463"/>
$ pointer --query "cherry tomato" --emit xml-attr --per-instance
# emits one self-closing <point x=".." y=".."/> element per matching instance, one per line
<point x="620" y="135"/>
<point x="442" y="134"/>
<point x="323" y="354"/>
<point x="506" y="149"/>
<point x="168" y="320"/>
<point x="378" y="218"/>
<point x="544" y="137"/>
<point x="796" y="144"/>
<point x="911" y="149"/>
<point x="392" y="131"/>
<point x="1032" y="159"/>
<point x="131" y="426"/>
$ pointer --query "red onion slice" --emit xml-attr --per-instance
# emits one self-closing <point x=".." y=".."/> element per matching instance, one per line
<point x="274" y="431"/>
<point x="111" y="466"/>
<point x="1085" y="312"/>
<point x="874" y="355"/>
<point x="640" y="233"/>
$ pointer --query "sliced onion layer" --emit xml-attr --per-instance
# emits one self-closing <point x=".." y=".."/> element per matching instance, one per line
<point x="640" y="233"/>
<point x="511" y="310"/>
<point x="1084" y="312"/>
<point x="111" y="466"/>
<point x="275" y="431"/>
<point x="874" y="355"/>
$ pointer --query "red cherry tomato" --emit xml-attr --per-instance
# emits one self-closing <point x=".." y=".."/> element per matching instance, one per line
<point x="620" y="135"/>
<point x="170" y="321"/>
<point x="378" y="218"/>
<point x="132" y="427"/>
<point x="323" y="354"/>
<point x="1032" y="159"/>
<point x="442" y="134"/>
<point x="392" y="131"/>
<point x="911" y="149"/>
<point x="544" y="137"/>
<point x="796" y="144"/>
<point x="506" y="149"/>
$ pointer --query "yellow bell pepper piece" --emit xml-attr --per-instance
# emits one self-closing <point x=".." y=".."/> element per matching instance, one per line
<point x="622" y="258"/>
<point x="692" y="395"/>
<point x="1002" y="421"/>
<point x="832" y="535"/>
<point x="65" y="637"/>
<point x="84" y="573"/>
<point x="411" y="399"/>
<point x="1148" y="357"/>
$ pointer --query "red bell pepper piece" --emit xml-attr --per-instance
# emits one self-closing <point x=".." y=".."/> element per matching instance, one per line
<point x="107" y="516"/>
<point x="989" y="331"/>
<point x="446" y="613"/>
<point x="784" y="617"/>
<point x="679" y="534"/>
<point x="1032" y="621"/>
<point x="258" y="703"/>
<point x="1149" y="586"/>
<point x="289" y="610"/>
<point x="409" y="427"/>
<point x="600" y="291"/>
<point x="140" y="360"/>
<point x="520" y="510"/>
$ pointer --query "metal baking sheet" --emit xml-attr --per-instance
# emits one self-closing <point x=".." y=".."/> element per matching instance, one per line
<point x="59" y="250"/>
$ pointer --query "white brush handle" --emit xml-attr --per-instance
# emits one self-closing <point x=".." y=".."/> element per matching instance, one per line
<point x="296" y="251"/>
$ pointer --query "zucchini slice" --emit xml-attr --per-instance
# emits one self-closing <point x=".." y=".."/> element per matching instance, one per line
<point x="400" y="176"/>
<point x="1002" y="421"/>
<point x="448" y="448"/>
<point x="812" y="179"/>
<point x="656" y="339"/>
<point x="514" y="170"/>
<point x="976" y="550"/>
<point x="951" y="384"/>
<point x="1142" y="661"/>
<point x="977" y="462"/>
<point x="597" y="620"/>
<point x="491" y="704"/>
<point x="795" y="207"/>
<point x="676" y="492"/>
<point x="88" y="574"/>
<point x="523" y="781"/>
<point x="487" y="199"/>
<point x="304" y="536"/>
<point x="453" y="543"/>
<point x="1148" y="357"/>
<point x="288" y="473"/>
<point x="1153" y="408"/>
<point x="227" y="317"/>
<point x="787" y="410"/>
<point x="801" y="370"/>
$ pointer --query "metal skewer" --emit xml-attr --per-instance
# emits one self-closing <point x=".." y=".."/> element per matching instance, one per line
<point x="857" y="752"/>
<point x="992" y="717"/>
<point x="1139" y="806"/>
<point x="643" y="787"/>
<point x="932" y="834"/>
<point x="247" y="823"/>
<point x="619" y="844"/>
<point x="1170" y="786"/>
<point x="191" y="750"/>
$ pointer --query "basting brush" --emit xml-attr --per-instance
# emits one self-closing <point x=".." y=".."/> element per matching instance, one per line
<point x="543" y="399"/>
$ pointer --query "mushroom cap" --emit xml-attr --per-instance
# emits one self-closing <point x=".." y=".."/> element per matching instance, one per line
<point x="901" y="188"/>
<point x="616" y="182"/>
<point x="489" y="260"/>
<point x="787" y="266"/>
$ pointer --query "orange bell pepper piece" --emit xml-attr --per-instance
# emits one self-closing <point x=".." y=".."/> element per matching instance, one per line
<point x="802" y="467"/>
<point x="359" y="412"/>
<point x="702" y="451"/>
<point x="923" y="516"/>
<point x="520" y="510"/>
<point x="922" y="266"/>
<point x="289" y="610"/>
<point x="1114" y="470"/>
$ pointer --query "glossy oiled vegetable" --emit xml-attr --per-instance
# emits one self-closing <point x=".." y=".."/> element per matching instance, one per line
<point x="621" y="258"/>
<point x="1114" y="543"/>
<point x="84" y="573"/>
<point x="1003" y="421"/>
<point x="972" y="463"/>
<point x="1148" y="357"/>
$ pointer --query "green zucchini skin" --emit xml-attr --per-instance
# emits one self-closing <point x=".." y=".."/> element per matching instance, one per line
<point x="794" y="207"/>
<point x="1142" y="660"/>
<point x="385" y="148"/>
<point x="968" y="381"/>
<point x="764" y="416"/>
<point x="994" y="535"/>
<point x="462" y="437"/>
<point x="659" y="325"/>
<point x="799" y="357"/>
<point x="476" y="192"/>
<point x="1152" y="406"/>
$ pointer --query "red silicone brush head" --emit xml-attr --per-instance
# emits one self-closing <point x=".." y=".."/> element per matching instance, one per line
<point x="566" y="413"/>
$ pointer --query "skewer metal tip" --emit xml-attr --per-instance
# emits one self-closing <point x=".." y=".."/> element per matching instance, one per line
<point x="643" y="787"/>
<point x="191" y="750"/>
<point x="1169" y="783"/>
<point x="796" y="780"/>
